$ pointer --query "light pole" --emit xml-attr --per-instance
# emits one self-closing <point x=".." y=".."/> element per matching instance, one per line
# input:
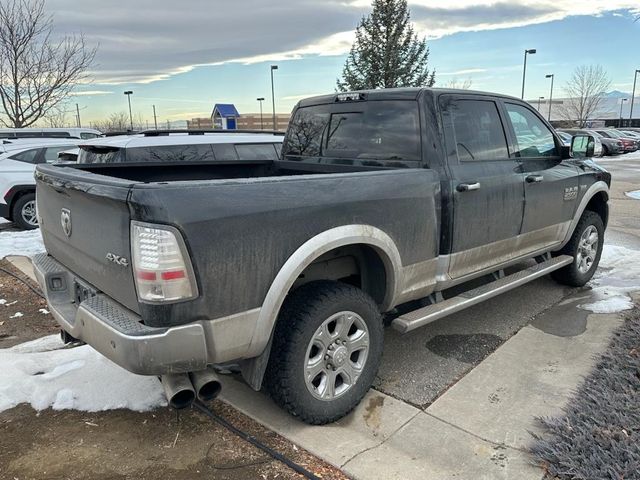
<point x="128" y="93"/>
<point x="273" y="98"/>
<point x="633" y="94"/>
<point x="622" y="100"/>
<point x="260" y="100"/>
<point x="551" y="76"/>
<point x="539" y="98"/>
<point x="155" y="118"/>
<point x="78" y="115"/>
<point x="530" y="51"/>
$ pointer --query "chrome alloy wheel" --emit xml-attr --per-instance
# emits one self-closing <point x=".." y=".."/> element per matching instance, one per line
<point x="587" y="249"/>
<point x="28" y="213"/>
<point x="336" y="355"/>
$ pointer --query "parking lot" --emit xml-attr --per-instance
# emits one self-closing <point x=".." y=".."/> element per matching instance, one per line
<point x="418" y="369"/>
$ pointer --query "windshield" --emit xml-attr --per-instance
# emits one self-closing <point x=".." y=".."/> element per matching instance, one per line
<point x="365" y="133"/>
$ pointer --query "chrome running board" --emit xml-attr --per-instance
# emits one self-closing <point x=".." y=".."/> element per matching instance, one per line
<point x="418" y="318"/>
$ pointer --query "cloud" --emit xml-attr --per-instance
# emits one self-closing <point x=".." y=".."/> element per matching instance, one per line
<point x="466" y="71"/>
<point x="146" y="41"/>
<point x="89" y="93"/>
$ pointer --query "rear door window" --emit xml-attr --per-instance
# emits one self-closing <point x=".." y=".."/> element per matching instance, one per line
<point x="534" y="138"/>
<point x="28" y="156"/>
<point x="478" y="130"/>
<point x="51" y="153"/>
<point x="170" y="154"/>
<point x="264" y="151"/>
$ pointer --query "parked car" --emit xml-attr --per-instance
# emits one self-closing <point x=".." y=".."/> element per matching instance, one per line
<point x="631" y="134"/>
<point x="83" y="133"/>
<point x="182" y="146"/>
<point x="285" y="266"/>
<point x="610" y="146"/>
<point x="17" y="185"/>
<point x="629" y="144"/>
<point x="565" y="137"/>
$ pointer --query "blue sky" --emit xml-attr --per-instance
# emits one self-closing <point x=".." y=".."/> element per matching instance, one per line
<point x="482" y="41"/>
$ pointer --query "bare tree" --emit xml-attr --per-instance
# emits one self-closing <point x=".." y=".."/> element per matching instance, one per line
<point x="116" y="122"/>
<point x="585" y="91"/>
<point x="37" y="71"/>
<point x="56" y="117"/>
<point x="464" y="85"/>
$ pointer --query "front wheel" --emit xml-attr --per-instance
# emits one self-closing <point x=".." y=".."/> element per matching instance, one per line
<point x="585" y="247"/>
<point x="24" y="212"/>
<point x="326" y="351"/>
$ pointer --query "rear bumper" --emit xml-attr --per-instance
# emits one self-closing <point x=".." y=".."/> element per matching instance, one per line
<point x="119" y="335"/>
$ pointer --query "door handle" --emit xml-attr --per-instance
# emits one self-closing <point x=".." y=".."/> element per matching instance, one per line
<point x="534" y="178"/>
<point x="467" y="187"/>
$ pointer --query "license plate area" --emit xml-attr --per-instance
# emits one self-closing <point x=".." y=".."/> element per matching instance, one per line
<point x="82" y="292"/>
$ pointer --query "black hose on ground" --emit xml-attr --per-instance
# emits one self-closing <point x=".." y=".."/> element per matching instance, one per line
<point x="22" y="280"/>
<point x="255" y="442"/>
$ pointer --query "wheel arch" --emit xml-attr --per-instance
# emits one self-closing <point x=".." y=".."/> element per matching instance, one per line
<point x="594" y="199"/>
<point x="14" y="194"/>
<point x="365" y="236"/>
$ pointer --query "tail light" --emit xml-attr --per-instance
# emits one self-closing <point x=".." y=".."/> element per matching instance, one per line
<point x="161" y="265"/>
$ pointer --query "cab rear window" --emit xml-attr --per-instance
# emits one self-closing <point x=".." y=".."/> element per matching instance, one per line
<point x="375" y="133"/>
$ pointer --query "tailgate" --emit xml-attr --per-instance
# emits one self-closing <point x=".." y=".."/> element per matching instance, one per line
<point x="94" y="207"/>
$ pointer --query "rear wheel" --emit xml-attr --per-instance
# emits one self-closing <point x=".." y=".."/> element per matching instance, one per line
<point x="326" y="351"/>
<point x="585" y="247"/>
<point x="24" y="212"/>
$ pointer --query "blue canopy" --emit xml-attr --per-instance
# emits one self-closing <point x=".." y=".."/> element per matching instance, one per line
<point x="225" y="110"/>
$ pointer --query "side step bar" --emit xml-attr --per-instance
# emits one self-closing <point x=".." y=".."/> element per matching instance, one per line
<point x="418" y="318"/>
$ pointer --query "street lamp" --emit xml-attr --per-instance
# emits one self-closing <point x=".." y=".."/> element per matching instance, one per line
<point x="128" y="93"/>
<point x="633" y="94"/>
<point x="531" y="51"/>
<point x="260" y="100"/>
<point x="539" y="98"/>
<point x="622" y="100"/>
<point x="551" y="76"/>
<point x="273" y="98"/>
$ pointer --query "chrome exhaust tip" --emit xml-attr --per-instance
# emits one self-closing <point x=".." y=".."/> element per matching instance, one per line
<point x="206" y="383"/>
<point x="178" y="389"/>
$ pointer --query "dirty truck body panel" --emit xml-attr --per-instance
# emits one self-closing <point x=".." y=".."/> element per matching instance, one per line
<point x="402" y="192"/>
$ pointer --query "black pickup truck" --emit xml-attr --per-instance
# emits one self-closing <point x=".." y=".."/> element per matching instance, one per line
<point x="380" y="203"/>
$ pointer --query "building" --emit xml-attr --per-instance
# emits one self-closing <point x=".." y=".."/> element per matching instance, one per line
<point x="613" y="106"/>
<point x="251" y="121"/>
<point x="200" y="124"/>
<point x="225" y="116"/>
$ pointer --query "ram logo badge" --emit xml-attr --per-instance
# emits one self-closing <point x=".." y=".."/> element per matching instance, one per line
<point x="65" y="221"/>
<point x="117" y="259"/>
<point x="570" y="193"/>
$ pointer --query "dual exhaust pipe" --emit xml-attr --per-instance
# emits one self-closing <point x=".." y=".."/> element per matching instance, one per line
<point x="182" y="389"/>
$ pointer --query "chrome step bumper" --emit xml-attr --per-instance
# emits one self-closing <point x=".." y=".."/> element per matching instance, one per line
<point x="117" y="332"/>
<point x="418" y="318"/>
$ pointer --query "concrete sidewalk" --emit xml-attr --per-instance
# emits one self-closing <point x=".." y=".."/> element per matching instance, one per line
<point x="478" y="429"/>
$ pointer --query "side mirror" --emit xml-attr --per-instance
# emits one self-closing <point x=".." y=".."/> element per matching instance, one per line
<point x="582" y="146"/>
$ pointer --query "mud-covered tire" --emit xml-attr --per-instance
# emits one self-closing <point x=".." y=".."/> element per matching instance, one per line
<point x="305" y="324"/>
<point x="573" y="275"/>
<point x="24" y="212"/>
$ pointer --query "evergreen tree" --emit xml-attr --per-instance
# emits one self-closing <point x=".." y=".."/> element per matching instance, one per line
<point x="387" y="52"/>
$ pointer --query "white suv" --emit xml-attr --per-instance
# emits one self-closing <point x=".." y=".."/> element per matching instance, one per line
<point x="17" y="166"/>
<point x="182" y="146"/>
<point x="18" y="161"/>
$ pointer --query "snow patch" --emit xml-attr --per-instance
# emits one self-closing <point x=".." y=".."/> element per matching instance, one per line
<point x="617" y="276"/>
<point x="46" y="374"/>
<point x="17" y="315"/>
<point x="27" y="243"/>
<point x="634" y="194"/>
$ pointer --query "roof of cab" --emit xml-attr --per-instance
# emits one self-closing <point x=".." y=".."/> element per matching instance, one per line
<point x="141" y="140"/>
<point x="406" y="93"/>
